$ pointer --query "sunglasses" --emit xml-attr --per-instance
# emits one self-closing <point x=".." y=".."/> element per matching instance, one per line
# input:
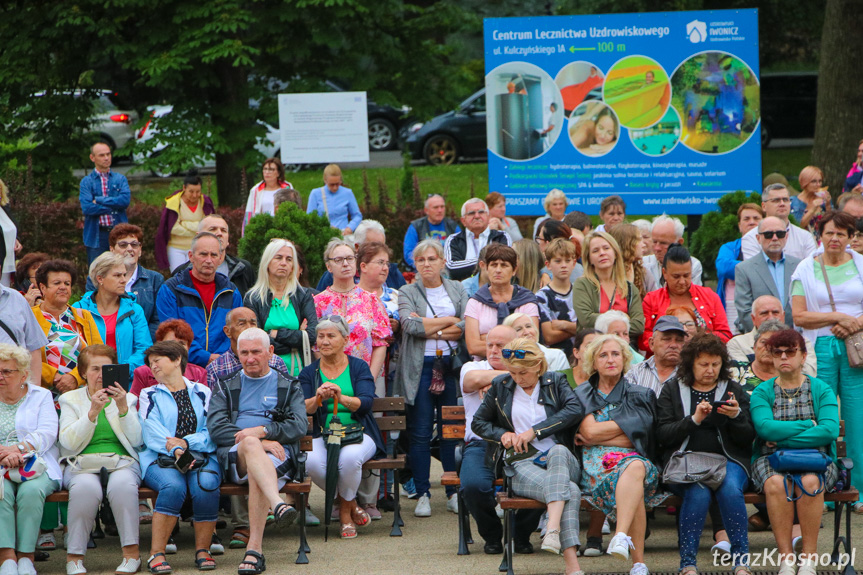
<point x="778" y="353"/>
<point x="335" y="319"/>
<point x="779" y="234"/>
<point x="516" y="353"/>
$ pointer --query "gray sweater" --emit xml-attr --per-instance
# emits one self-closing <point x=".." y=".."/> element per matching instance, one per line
<point x="412" y="350"/>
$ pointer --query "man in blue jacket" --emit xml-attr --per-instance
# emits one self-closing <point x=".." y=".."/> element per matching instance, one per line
<point x="202" y="298"/>
<point x="104" y="197"/>
<point x="731" y="254"/>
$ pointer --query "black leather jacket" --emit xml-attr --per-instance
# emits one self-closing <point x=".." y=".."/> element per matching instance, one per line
<point x="494" y="416"/>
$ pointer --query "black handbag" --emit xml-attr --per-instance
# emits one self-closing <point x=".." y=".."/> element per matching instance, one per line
<point x="170" y="462"/>
<point x="349" y="434"/>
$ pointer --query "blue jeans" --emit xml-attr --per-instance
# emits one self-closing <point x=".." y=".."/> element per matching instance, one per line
<point x="421" y="418"/>
<point x="693" y="511"/>
<point x="104" y="246"/>
<point x="477" y="488"/>
<point x="174" y="487"/>
<point x="847" y="383"/>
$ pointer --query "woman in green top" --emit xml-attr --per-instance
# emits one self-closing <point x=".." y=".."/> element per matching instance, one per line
<point x="99" y="427"/>
<point x="285" y="309"/>
<point x="338" y="379"/>
<point x="826" y="325"/>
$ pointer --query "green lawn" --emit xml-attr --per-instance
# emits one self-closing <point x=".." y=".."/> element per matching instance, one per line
<point x="453" y="182"/>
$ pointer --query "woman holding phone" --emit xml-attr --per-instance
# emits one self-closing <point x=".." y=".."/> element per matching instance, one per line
<point x="98" y="431"/>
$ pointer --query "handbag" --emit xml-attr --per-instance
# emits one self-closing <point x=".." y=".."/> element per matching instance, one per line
<point x="32" y="467"/>
<point x="303" y="358"/>
<point x="685" y="467"/>
<point x="169" y="461"/>
<point x="854" y="342"/>
<point x="95" y="462"/>
<point x="350" y="434"/>
<point x="796" y="463"/>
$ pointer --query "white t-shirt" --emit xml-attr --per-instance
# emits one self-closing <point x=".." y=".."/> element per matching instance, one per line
<point x="556" y="358"/>
<point x="266" y="205"/>
<point x="527" y="412"/>
<point x="443" y="307"/>
<point x="471" y="400"/>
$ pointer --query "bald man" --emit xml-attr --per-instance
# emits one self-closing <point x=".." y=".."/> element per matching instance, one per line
<point x="742" y="348"/>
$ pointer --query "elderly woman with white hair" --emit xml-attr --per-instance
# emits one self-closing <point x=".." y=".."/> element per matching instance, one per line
<point x="555" y="208"/>
<point x="617" y="323"/>
<point x="121" y="322"/>
<point x="524" y="326"/>
<point x="362" y="310"/>
<point x="368" y="231"/>
<point x="284" y="309"/>
<point x="431" y="312"/>
<point x="28" y="428"/>
<point x="339" y="387"/>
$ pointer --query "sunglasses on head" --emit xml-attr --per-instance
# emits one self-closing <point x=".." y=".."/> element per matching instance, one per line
<point x="516" y="353"/>
<point x="335" y="319"/>
<point x="779" y="234"/>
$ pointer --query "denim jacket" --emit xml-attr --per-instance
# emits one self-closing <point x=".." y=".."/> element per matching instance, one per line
<point x="114" y="204"/>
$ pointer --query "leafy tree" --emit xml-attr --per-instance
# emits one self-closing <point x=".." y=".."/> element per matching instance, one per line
<point x="717" y="228"/>
<point x="310" y="232"/>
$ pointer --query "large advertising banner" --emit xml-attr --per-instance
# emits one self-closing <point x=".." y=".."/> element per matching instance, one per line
<point x="662" y="109"/>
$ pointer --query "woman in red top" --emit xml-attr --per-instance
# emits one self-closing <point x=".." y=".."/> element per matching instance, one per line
<point x="680" y="291"/>
<point x="604" y="285"/>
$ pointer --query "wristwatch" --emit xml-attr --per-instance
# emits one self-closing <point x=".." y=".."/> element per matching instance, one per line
<point x="21" y="448"/>
<point x="439" y="334"/>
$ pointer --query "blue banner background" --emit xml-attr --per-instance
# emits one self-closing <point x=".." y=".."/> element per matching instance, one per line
<point x="679" y="181"/>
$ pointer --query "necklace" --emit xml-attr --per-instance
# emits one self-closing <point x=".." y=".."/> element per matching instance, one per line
<point x="789" y="396"/>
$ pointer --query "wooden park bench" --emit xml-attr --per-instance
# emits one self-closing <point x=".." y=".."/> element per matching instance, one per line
<point x="390" y="417"/>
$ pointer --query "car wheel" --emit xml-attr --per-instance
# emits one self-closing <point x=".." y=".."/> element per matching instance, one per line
<point x="766" y="134"/>
<point x="382" y="135"/>
<point x="440" y="151"/>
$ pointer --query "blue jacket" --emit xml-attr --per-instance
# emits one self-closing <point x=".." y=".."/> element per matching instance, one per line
<point x="115" y="203"/>
<point x="727" y="259"/>
<point x="157" y="411"/>
<point x="132" y="334"/>
<point x="178" y="299"/>
<point x="144" y="289"/>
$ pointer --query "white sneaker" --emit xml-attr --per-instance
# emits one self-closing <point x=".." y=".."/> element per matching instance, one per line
<point x="9" y="567"/>
<point x="807" y="567"/>
<point x="721" y="548"/>
<point x="499" y="511"/>
<point x="170" y="547"/>
<point x="423" y="508"/>
<point x="75" y="567"/>
<point x="786" y="568"/>
<point x="606" y="528"/>
<point x="452" y="504"/>
<point x="26" y="567"/>
<point x="620" y="545"/>
<point x="639" y="569"/>
<point x="129" y="566"/>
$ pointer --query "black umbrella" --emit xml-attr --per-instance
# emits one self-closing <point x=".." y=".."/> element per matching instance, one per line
<point x="334" y="433"/>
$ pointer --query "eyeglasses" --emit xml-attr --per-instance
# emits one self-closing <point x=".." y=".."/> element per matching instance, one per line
<point x="125" y="245"/>
<point x="779" y="200"/>
<point x="343" y="260"/>
<point x="687" y="323"/>
<point x="790" y="352"/>
<point x="5" y="373"/>
<point x="335" y="319"/>
<point x="769" y="235"/>
<point x="517" y="353"/>
<point x="270" y="169"/>
<point x="429" y="260"/>
<point x="382" y="263"/>
<point x="473" y="213"/>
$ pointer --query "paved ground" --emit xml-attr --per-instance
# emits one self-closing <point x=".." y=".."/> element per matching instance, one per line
<point x="428" y="547"/>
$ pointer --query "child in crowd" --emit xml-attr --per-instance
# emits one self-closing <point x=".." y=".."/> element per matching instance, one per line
<point x="557" y="318"/>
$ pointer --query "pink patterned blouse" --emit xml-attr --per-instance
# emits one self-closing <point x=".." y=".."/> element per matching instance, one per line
<point x="365" y="314"/>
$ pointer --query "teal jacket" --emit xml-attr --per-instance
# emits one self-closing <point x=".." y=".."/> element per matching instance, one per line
<point x="795" y="434"/>
<point x="133" y="332"/>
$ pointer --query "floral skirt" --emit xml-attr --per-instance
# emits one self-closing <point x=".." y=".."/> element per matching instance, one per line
<point x="599" y="483"/>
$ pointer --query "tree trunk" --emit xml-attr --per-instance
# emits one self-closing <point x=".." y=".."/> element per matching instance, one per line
<point x="231" y="112"/>
<point x="840" y="115"/>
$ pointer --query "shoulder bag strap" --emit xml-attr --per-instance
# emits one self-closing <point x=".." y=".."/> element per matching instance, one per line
<point x="434" y="314"/>
<point x="827" y="283"/>
<point x="9" y="332"/>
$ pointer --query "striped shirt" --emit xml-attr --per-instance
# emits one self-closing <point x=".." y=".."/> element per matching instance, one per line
<point x="105" y="220"/>
<point x="645" y="375"/>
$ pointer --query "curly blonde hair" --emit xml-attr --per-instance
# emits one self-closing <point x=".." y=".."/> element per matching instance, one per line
<point x="596" y="345"/>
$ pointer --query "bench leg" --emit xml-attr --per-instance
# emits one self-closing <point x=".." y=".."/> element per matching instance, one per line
<point x="842" y="544"/>
<point x="468" y="537"/>
<point x="302" y="558"/>
<point x="508" y="543"/>
<point x="397" y="511"/>
<point x="462" y="526"/>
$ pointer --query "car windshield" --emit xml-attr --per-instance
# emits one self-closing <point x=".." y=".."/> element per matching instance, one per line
<point x="476" y="103"/>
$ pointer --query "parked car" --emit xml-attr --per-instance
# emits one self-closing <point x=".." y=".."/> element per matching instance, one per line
<point x="111" y="122"/>
<point x="788" y="103"/>
<point x="452" y="136"/>
<point x="270" y="147"/>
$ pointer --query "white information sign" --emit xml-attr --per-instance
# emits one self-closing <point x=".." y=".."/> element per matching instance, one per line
<point x="322" y="128"/>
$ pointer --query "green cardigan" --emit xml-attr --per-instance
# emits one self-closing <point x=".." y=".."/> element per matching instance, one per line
<point x="795" y="434"/>
<point x="585" y="303"/>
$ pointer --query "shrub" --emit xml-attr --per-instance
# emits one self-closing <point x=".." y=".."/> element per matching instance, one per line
<point x="310" y="232"/>
<point x="718" y="228"/>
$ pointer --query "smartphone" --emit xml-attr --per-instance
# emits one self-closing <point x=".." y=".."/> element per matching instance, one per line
<point x="115" y="373"/>
<point x="184" y="463"/>
<point x="718" y="404"/>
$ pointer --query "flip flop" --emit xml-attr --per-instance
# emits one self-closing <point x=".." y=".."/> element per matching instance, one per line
<point x="348" y="531"/>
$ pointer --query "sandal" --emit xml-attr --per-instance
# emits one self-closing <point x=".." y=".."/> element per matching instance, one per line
<point x="349" y="531"/>
<point x="162" y="568"/>
<point x="239" y="539"/>
<point x="260" y="564"/>
<point x="204" y="563"/>
<point x="363" y="515"/>
<point x="285" y="514"/>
